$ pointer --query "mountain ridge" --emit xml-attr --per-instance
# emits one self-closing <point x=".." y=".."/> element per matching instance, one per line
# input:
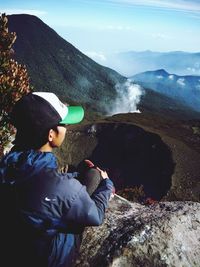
<point x="56" y="65"/>
<point x="185" y="88"/>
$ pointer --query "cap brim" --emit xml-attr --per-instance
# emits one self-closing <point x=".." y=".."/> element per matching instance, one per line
<point x="75" y="115"/>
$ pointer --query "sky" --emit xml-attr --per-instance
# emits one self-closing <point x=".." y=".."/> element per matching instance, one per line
<point x="100" y="27"/>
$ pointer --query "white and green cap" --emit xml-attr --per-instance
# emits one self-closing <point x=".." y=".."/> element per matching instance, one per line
<point x="68" y="114"/>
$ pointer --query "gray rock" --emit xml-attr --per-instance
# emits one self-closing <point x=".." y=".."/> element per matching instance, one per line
<point x="161" y="234"/>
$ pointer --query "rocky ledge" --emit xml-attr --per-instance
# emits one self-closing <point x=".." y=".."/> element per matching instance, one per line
<point x="161" y="234"/>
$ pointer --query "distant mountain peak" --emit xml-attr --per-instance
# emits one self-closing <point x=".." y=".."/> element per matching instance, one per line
<point x="161" y="72"/>
<point x="174" y="62"/>
<point x="183" y="88"/>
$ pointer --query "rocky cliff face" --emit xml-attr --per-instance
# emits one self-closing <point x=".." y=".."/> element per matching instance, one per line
<point x="162" y="234"/>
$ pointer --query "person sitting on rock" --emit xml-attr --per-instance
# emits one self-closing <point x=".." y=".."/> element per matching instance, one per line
<point x="43" y="211"/>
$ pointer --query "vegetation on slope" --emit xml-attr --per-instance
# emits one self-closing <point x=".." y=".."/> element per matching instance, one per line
<point x="14" y="81"/>
<point x="57" y="66"/>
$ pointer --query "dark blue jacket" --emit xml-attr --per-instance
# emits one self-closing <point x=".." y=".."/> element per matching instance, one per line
<point x="45" y="211"/>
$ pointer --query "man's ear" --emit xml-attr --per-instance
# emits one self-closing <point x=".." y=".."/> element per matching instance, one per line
<point x="51" y="135"/>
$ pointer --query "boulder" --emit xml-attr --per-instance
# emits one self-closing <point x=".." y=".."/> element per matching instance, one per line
<point x="160" y="234"/>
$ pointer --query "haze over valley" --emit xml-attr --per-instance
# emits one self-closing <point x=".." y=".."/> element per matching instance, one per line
<point x="133" y="62"/>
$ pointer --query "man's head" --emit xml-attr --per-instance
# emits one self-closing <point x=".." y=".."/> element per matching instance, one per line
<point x="36" y="113"/>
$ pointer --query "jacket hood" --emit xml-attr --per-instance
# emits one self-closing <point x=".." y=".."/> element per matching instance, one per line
<point x="17" y="165"/>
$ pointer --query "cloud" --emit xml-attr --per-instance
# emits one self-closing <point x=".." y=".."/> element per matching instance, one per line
<point x="176" y="5"/>
<point x="111" y="27"/>
<point x="24" y="11"/>
<point x="116" y="28"/>
<point x="98" y="56"/>
<point x="160" y="36"/>
<point x="171" y="77"/>
<point x="181" y="81"/>
<point x="194" y="70"/>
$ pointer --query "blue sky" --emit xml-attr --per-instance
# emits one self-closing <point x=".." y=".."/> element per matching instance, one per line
<point x="101" y="27"/>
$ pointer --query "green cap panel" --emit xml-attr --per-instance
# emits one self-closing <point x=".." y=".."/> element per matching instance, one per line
<point x="75" y="115"/>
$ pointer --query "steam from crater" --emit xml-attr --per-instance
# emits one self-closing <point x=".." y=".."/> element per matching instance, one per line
<point x="128" y="98"/>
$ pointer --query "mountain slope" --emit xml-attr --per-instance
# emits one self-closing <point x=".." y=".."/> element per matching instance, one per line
<point x="156" y="103"/>
<point x="57" y="66"/>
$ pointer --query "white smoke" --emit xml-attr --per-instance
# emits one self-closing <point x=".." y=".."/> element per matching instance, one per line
<point x="181" y="81"/>
<point x="171" y="77"/>
<point x="159" y="77"/>
<point x="97" y="56"/>
<point x="129" y="95"/>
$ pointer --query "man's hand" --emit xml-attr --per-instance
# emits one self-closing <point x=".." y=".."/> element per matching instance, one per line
<point x="104" y="174"/>
<point x="90" y="164"/>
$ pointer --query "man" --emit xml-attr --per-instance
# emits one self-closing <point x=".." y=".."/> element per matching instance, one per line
<point x="43" y="210"/>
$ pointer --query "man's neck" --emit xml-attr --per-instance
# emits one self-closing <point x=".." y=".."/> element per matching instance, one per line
<point x="46" y="148"/>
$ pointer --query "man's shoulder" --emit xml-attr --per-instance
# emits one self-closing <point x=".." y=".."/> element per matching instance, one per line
<point x="64" y="183"/>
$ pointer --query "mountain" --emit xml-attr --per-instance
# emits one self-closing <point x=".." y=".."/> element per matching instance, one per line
<point x="132" y="62"/>
<point x="182" y="88"/>
<point x="147" y="144"/>
<point x="57" y="66"/>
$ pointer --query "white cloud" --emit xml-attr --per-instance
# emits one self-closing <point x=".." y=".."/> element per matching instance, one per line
<point x="116" y="28"/>
<point x="181" y="81"/>
<point x="160" y="36"/>
<point x="98" y="56"/>
<point x="24" y="11"/>
<point x="171" y="77"/>
<point x="177" y="5"/>
<point x="191" y="69"/>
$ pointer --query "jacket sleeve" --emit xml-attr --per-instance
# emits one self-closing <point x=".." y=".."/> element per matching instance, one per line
<point x="89" y="211"/>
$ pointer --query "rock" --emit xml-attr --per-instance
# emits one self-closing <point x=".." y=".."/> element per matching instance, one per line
<point x="161" y="234"/>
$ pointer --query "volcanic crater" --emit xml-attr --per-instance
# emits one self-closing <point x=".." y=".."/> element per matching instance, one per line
<point x="131" y="155"/>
